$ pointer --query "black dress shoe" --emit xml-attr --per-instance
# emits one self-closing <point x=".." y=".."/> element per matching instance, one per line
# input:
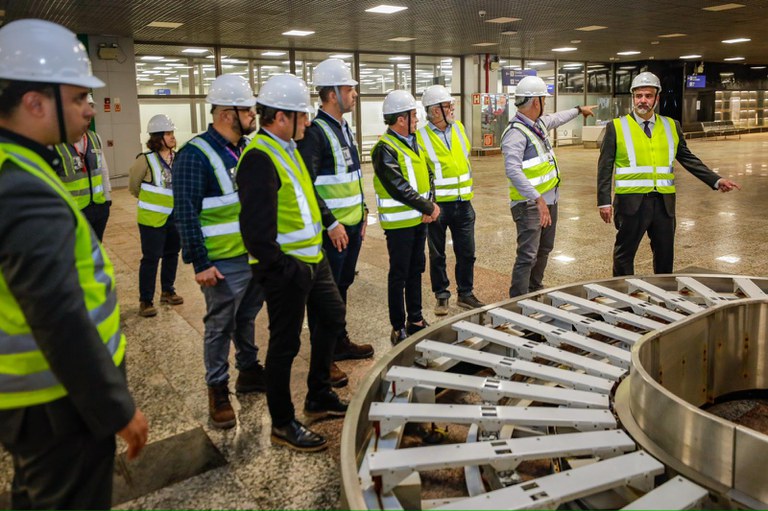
<point x="469" y="301"/>
<point x="412" y="328"/>
<point x="323" y="405"/>
<point x="296" y="436"/>
<point x="397" y="336"/>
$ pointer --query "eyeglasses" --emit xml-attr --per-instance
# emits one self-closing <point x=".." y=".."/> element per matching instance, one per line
<point x="239" y="109"/>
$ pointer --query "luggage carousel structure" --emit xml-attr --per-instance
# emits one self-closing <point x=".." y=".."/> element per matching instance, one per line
<point x="622" y="393"/>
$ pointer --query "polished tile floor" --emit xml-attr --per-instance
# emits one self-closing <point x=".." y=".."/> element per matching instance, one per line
<point x="239" y="469"/>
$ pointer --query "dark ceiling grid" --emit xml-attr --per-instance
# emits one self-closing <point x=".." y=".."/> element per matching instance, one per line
<point x="446" y="27"/>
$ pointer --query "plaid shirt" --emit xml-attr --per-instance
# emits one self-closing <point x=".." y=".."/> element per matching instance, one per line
<point x="193" y="180"/>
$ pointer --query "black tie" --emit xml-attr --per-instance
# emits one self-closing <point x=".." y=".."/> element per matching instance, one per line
<point x="647" y="128"/>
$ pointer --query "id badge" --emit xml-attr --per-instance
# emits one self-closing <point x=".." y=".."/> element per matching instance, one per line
<point x="347" y="156"/>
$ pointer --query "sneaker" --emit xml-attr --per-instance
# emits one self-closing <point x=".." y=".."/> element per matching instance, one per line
<point x="171" y="298"/>
<point x="147" y="310"/>
<point x="397" y="336"/>
<point x="251" y="380"/>
<point x="338" y="377"/>
<point x="469" y="302"/>
<point x="326" y="404"/>
<point x="441" y="308"/>
<point x="412" y="328"/>
<point x="295" y="435"/>
<point x="348" y="350"/>
<point x="219" y="408"/>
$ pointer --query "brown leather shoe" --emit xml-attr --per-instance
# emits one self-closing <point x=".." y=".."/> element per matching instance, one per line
<point x="171" y="298"/>
<point x="338" y="377"/>
<point x="348" y="350"/>
<point x="219" y="407"/>
<point x="147" y="310"/>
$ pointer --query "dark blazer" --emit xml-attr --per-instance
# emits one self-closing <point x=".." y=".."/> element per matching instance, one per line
<point x="628" y="204"/>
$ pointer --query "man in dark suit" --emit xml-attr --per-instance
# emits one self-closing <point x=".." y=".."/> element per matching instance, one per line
<point x="642" y="147"/>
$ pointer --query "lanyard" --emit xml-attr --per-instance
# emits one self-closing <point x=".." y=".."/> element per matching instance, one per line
<point x="235" y="155"/>
<point x="83" y="155"/>
<point x="535" y="128"/>
<point x="165" y="163"/>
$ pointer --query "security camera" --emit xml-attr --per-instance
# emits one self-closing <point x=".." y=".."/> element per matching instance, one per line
<point x="482" y="14"/>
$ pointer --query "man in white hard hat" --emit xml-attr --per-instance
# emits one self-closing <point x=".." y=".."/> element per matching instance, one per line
<point x="330" y="154"/>
<point x="534" y="180"/>
<point x="642" y="148"/>
<point x="63" y="392"/>
<point x="86" y="176"/>
<point x="207" y="209"/>
<point x="446" y="147"/>
<point x="151" y="181"/>
<point x="403" y="187"/>
<point x="282" y="228"/>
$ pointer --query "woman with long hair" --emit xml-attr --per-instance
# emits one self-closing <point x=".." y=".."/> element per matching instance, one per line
<point x="151" y="182"/>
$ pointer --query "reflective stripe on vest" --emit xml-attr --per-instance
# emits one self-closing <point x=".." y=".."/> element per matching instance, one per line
<point x="220" y="215"/>
<point x="541" y="170"/>
<point x="392" y="213"/>
<point x="453" y="172"/>
<point x="155" y="200"/>
<point x="645" y="164"/>
<point x="299" y="231"/>
<point x="77" y="181"/>
<point x="343" y="190"/>
<point x="25" y="376"/>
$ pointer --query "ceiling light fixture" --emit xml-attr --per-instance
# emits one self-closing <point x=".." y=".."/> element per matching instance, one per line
<point x="722" y="7"/>
<point x="502" y="19"/>
<point x="272" y="53"/>
<point x="152" y="57"/>
<point x="591" y="28"/>
<point x="299" y="33"/>
<point x="341" y="56"/>
<point x="757" y="67"/>
<point x="400" y="57"/>
<point x="386" y="9"/>
<point x="690" y="56"/>
<point x="564" y="49"/>
<point x="670" y="36"/>
<point x="402" y="39"/>
<point x="737" y="40"/>
<point x="164" y="24"/>
<point x="628" y="52"/>
<point x="733" y="59"/>
<point x="509" y="32"/>
<point x="485" y="44"/>
<point x="195" y="50"/>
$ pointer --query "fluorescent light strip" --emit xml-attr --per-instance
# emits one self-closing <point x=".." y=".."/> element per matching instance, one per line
<point x="690" y="56"/>
<point x="564" y="49"/>
<point x="733" y="59"/>
<point x="722" y="7"/>
<point x="386" y="9"/>
<point x="737" y="40"/>
<point x="299" y="33"/>
<point x="195" y="50"/>
<point x="629" y="52"/>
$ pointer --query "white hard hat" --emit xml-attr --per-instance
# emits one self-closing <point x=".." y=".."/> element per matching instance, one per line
<point x="160" y="123"/>
<point x="435" y="94"/>
<point x="34" y="50"/>
<point x="398" y="101"/>
<point x="332" y="72"/>
<point x="286" y="92"/>
<point x="646" y="79"/>
<point x="230" y="90"/>
<point x="531" y="87"/>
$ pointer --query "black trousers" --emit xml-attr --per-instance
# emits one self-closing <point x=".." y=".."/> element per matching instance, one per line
<point x="407" y="262"/>
<point x="309" y="286"/>
<point x="459" y="217"/>
<point x="651" y="218"/>
<point x="63" y="472"/>
<point x="97" y="215"/>
<point x="158" y="243"/>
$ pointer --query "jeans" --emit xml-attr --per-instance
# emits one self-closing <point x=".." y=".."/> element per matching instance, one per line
<point x="97" y="215"/>
<point x="232" y="305"/>
<point x="406" y="264"/>
<point x="156" y="243"/>
<point x="310" y="286"/>
<point x="459" y="216"/>
<point x="534" y="244"/>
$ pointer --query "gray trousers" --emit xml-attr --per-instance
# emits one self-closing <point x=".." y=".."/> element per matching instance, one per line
<point x="533" y="247"/>
<point x="232" y="305"/>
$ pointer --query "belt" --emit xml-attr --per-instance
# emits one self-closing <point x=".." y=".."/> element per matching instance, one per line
<point x="653" y="194"/>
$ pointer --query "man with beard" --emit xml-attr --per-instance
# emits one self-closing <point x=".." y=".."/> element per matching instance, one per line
<point x="642" y="147"/>
<point x="207" y="212"/>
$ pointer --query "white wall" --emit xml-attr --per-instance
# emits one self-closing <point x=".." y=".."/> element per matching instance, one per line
<point x="119" y="130"/>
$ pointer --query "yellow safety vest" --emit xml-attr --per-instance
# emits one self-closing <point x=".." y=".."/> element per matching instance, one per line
<point x="25" y="376"/>
<point x="541" y="169"/>
<point x="77" y="181"/>
<point x="155" y="199"/>
<point x="645" y="164"/>
<point x="451" y="167"/>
